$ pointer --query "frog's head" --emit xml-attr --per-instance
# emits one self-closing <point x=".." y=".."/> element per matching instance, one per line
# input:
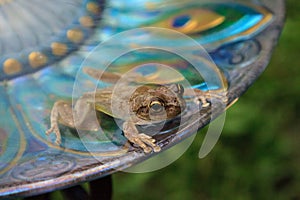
<point x="157" y="102"/>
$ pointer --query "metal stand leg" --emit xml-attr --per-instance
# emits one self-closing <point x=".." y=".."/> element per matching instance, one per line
<point x="39" y="197"/>
<point x="75" y="193"/>
<point x="101" y="189"/>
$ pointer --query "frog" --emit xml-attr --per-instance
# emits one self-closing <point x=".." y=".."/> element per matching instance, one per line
<point x="135" y="104"/>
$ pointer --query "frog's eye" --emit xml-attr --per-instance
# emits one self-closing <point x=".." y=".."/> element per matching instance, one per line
<point x="156" y="106"/>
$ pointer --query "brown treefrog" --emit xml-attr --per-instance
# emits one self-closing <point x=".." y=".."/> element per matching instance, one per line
<point x="133" y="103"/>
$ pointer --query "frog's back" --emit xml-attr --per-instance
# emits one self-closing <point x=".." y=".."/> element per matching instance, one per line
<point x="114" y="101"/>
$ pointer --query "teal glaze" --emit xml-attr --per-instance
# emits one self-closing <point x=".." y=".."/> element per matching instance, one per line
<point x="9" y="134"/>
<point x="238" y="19"/>
<point x="27" y="98"/>
<point x="33" y="104"/>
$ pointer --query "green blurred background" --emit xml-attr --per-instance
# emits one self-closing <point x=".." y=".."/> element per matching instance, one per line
<point x="257" y="156"/>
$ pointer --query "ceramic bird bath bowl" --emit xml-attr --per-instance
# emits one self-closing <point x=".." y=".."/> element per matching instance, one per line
<point x="56" y="51"/>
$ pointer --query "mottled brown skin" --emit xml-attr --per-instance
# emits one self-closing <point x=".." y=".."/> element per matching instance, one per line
<point x="134" y="103"/>
<point x="156" y="103"/>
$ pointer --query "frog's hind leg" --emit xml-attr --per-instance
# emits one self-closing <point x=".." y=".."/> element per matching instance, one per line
<point x="104" y="76"/>
<point x="61" y="111"/>
<point x="141" y="140"/>
<point x="80" y="116"/>
<point x="114" y="77"/>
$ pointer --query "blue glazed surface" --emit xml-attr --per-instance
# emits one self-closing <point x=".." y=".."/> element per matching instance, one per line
<point x="28" y="96"/>
<point x="120" y="19"/>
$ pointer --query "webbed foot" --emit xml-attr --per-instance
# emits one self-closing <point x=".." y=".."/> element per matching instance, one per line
<point x="146" y="139"/>
<point x="146" y="142"/>
<point x="204" y="97"/>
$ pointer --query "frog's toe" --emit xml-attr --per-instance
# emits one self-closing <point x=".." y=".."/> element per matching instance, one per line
<point x="147" y="149"/>
<point x="150" y="142"/>
<point x="201" y="101"/>
<point x="54" y="129"/>
<point x="58" y="141"/>
<point x="206" y="104"/>
<point x="145" y="137"/>
<point x="156" y="148"/>
<point x="50" y="130"/>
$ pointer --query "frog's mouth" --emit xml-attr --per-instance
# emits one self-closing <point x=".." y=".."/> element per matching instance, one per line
<point x="160" y="114"/>
<point x="160" y="127"/>
<point x="170" y="125"/>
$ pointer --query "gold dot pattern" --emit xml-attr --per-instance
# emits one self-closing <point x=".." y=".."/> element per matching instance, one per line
<point x="86" y="21"/>
<point x="93" y="8"/>
<point x="59" y="49"/>
<point x="75" y="35"/>
<point x="12" y="66"/>
<point x="37" y="59"/>
<point x="45" y="55"/>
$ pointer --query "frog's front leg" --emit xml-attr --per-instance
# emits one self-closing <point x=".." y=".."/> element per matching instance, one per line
<point x="204" y="97"/>
<point x="139" y="139"/>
